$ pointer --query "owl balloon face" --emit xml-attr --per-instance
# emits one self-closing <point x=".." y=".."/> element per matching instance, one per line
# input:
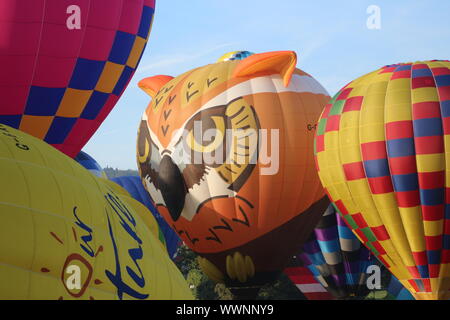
<point x="220" y="146"/>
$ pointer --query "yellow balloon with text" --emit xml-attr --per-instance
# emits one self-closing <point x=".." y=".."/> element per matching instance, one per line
<point x="65" y="234"/>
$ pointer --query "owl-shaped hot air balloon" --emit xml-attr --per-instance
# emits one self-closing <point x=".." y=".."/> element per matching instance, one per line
<point x="65" y="64"/>
<point x="382" y="153"/>
<point x="225" y="151"/>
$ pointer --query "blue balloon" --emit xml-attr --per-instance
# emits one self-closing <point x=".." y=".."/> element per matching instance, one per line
<point x="135" y="188"/>
<point x="397" y="291"/>
<point x="90" y="164"/>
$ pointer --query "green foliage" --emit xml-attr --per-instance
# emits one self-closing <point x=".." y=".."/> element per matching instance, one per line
<point x="114" y="173"/>
<point x="205" y="289"/>
<point x="281" y="289"/>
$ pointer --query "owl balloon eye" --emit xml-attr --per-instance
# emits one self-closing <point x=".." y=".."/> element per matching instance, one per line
<point x="143" y="144"/>
<point x="206" y="135"/>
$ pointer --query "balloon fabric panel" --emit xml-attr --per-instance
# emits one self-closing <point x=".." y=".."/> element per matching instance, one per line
<point x="58" y="83"/>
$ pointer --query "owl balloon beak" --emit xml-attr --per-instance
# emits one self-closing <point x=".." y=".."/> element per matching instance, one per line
<point x="172" y="186"/>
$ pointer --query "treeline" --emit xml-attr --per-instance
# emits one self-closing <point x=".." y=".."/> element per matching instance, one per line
<point x="114" y="172"/>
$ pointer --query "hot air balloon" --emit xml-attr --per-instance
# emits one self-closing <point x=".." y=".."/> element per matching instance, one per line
<point x="381" y="154"/>
<point x="90" y="164"/>
<point x="135" y="188"/>
<point x="65" y="63"/>
<point x="66" y="234"/>
<point x="396" y="291"/>
<point x="337" y="258"/>
<point x="235" y="55"/>
<point x="225" y="151"/>
<point x="306" y="280"/>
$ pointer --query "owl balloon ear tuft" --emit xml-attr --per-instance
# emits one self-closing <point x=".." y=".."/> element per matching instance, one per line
<point x="151" y="85"/>
<point x="282" y="62"/>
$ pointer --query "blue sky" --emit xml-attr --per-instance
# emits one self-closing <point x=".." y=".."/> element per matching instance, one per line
<point x="330" y="37"/>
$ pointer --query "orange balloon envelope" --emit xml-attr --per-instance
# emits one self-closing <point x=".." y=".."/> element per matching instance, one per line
<point x="65" y="63"/>
<point x="226" y="153"/>
<point x="382" y="153"/>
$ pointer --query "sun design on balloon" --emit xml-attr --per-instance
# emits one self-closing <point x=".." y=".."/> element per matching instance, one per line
<point x="77" y="272"/>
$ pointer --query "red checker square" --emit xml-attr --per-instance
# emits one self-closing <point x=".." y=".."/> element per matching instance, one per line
<point x="424" y="110"/>
<point x="433" y="242"/>
<point x="378" y="247"/>
<point x="444" y="93"/>
<point x="53" y="71"/>
<point x="383" y="261"/>
<point x="440" y="71"/>
<point x="56" y="11"/>
<point x="344" y="94"/>
<point x="420" y="66"/>
<point x="79" y="130"/>
<point x="61" y="147"/>
<point x="429" y="145"/>
<point x="401" y="74"/>
<point x="447" y="194"/>
<point x="361" y="235"/>
<point x="20" y="38"/>
<point x="433" y="213"/>
<point x="353" y="104"/>
<point x="359" y="220"/>
<point x="447" y="227"/>
<point x="413" y="283"/>
<point x="340" y="205"/>
<point x="320" y="143"/>
<point x="16" y="70"/>
<point x="131" y="16"/>
<point x="354" y="171"/>
<point x="109" y="105"/>
<point x="388" y="69"/>
<point x="420" y="258"/>
<point x="72" y="151"/>
<point x="407" y="199"/>
<point x="433" y="270"/>
<point x="14" y="99"/>
<point x="149" y="3"/>
<point x="105" y="14"/>
<point x="414" y="272"/>
<point x="59" y="41"/>
<point x="24" y="11"/>
<point x="399" y="130"/>
<point x="432" y="180"/>
<point x="380" y="232"/>
<point x="445" y="256"/>
<point x="332" y="123"/>
<point x="97" y="44"/>
<point x="446" y="125"/>
<point x="422" y="82"/>
<point x="326" y="110"/>
<point x="426" y="285"/>
<point x="380" y="185"/>
<point x="403" y="165"/>
<point x="374" y="150"/>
